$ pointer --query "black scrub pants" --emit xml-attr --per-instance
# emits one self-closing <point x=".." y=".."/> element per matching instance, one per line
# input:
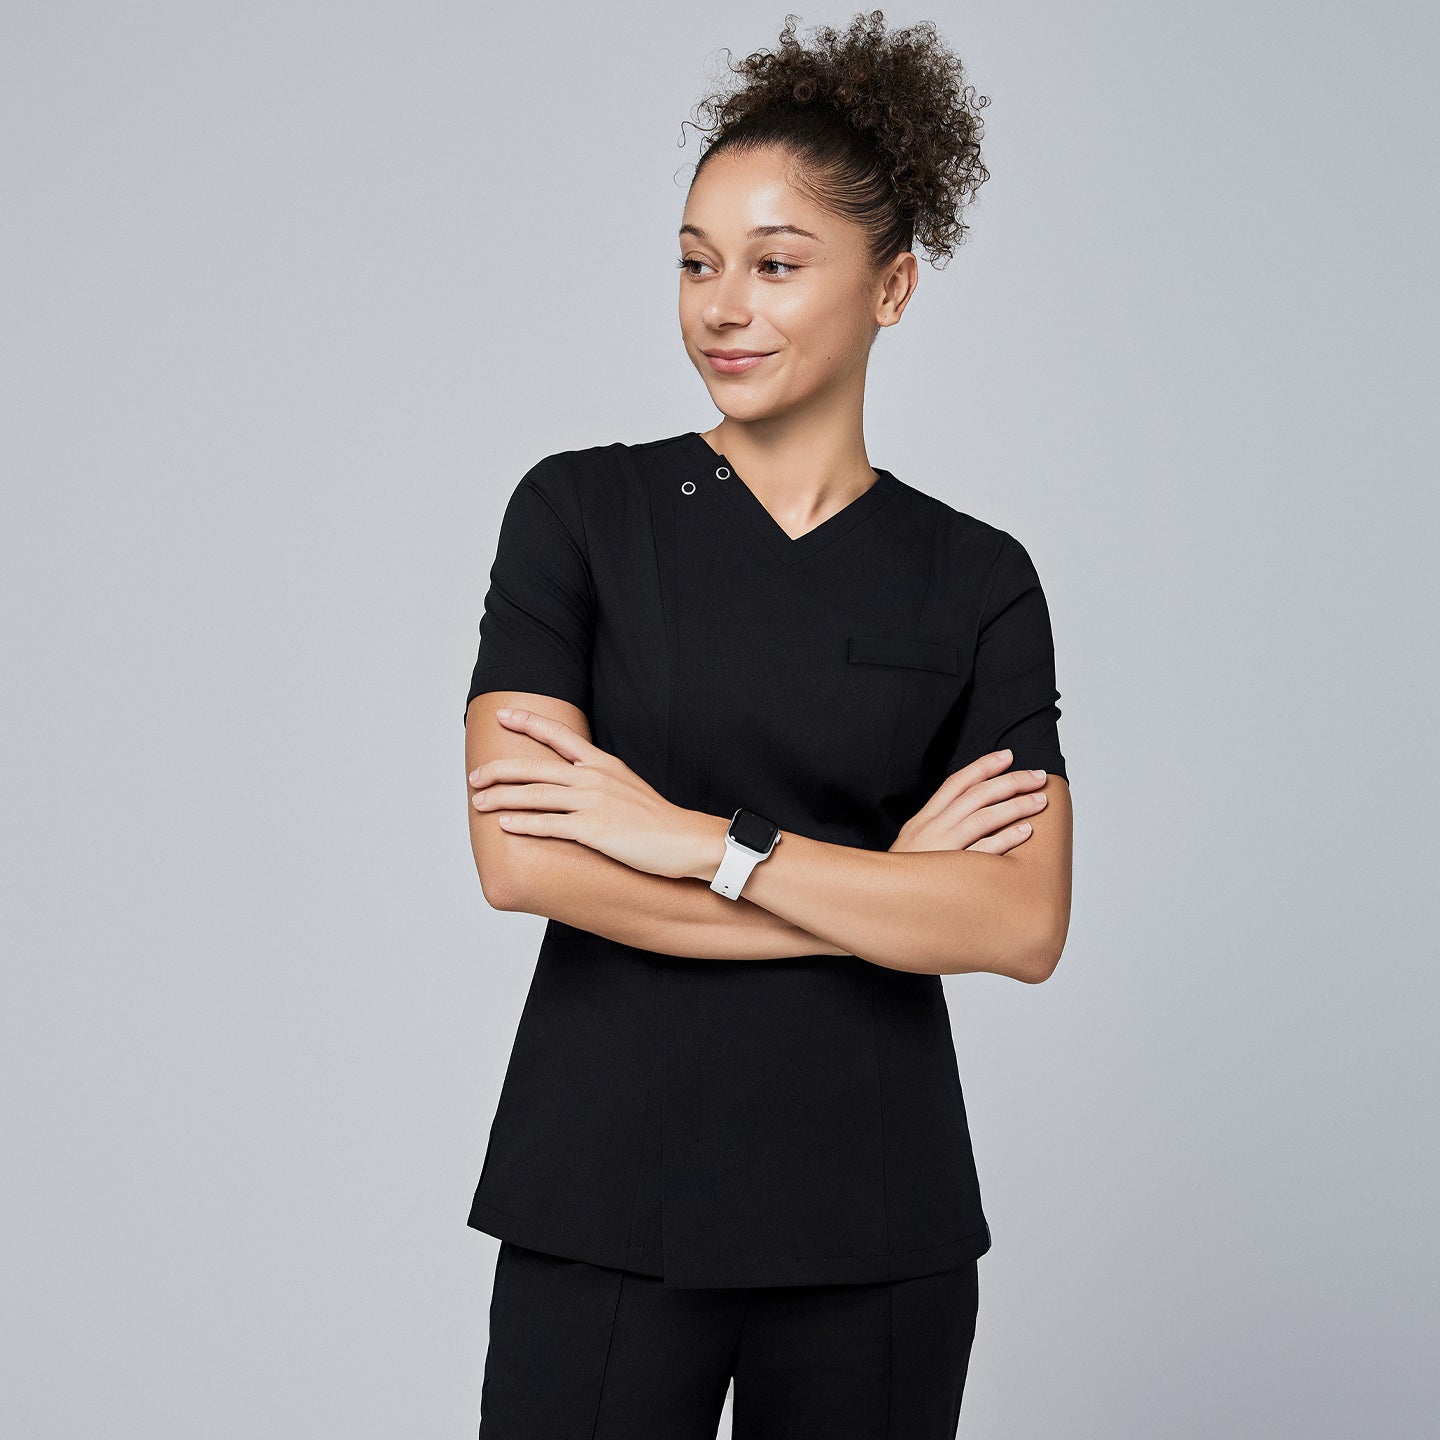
<point x="583" y="1352"/>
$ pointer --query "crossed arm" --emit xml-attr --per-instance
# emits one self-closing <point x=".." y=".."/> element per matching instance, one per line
<point x="929" y="911"/>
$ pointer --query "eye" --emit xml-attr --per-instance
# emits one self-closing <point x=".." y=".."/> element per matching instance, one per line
<point x="784" y="265"/>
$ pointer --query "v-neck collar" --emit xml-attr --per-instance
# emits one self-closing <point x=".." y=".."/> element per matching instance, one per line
<point x="774" y="535"/>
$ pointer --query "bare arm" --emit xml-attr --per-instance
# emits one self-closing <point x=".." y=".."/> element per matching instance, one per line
<point x="928" y="907"/>
<point x="939" y="911"/>
<point x="571" y="883"/>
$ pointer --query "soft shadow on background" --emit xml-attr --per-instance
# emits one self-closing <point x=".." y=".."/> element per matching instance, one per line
<point x="294" y="294"/>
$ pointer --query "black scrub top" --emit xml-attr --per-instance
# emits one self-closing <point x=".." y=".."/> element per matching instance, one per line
<point x="752" y="1122"/>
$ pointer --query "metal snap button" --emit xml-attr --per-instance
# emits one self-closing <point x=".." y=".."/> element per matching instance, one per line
<point x="688" y="488"/>
<point x="722" y="473"/>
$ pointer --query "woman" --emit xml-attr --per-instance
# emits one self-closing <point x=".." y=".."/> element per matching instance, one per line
<point x="732" y="1141"/>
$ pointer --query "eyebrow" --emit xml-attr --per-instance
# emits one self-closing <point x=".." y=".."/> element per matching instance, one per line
<point x="759" y="232"/>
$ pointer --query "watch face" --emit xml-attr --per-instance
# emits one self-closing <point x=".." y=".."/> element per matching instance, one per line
<point x="753" y="831"/>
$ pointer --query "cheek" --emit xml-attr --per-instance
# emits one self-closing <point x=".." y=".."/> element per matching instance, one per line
<point x="827" y="349"/>
<point x="825" y="338"/>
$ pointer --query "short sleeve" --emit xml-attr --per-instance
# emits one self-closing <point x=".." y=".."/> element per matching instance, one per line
<point x="535" y="632"/>
<point x="1010" y="702"/>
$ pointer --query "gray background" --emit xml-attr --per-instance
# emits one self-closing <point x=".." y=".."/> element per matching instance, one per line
<point x="293" y="295"/>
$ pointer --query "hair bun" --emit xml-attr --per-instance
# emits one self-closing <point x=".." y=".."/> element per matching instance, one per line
<point x="903" y="92"/>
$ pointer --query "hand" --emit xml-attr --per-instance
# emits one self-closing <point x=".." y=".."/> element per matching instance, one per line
<point x="982" y="807"/>
<point x="581" y="792"/>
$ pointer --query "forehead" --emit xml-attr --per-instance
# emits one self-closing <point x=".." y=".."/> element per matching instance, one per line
<point x="748" y="196"/>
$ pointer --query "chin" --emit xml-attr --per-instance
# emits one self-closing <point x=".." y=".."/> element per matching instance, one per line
<point x="744" y="408"/>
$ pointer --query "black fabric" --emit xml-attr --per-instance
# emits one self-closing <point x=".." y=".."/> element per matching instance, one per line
<point x="736" y="1123"/>
<point x="580" y="1352"/>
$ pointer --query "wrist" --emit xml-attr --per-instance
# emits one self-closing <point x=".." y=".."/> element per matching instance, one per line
<point x="706" y="847"/>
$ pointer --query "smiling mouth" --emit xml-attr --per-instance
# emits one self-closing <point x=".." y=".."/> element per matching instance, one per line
<point x="735" y="364"/>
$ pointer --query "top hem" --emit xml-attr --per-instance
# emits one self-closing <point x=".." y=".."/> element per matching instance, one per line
<point x="771" y="1271"/>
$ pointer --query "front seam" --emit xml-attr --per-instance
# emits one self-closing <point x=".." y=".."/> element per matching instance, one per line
<point x="890" y="1364"/>
<point x="630" y="1245"/>
<point x="744" y="1316"/>
<point x="609" y="1345"/>
<point x="898" y="722"/>
<point x="880" y="1105"/>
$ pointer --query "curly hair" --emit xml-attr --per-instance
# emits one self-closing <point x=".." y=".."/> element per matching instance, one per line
<point x="883" y="127"/>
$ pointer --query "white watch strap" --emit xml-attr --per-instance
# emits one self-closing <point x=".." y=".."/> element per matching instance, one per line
<point x="734" y="869"/>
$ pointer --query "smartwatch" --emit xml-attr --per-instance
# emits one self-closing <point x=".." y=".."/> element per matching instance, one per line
<point x="748" y="841"/>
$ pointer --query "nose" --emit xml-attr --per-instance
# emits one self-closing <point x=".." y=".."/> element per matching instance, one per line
<point x="726" y="302"/>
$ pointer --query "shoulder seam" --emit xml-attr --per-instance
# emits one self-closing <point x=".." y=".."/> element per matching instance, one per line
<point x="994" y="574"/>
<point x="656" y="444"/>
<point x="582" y="543"/>
<point x="584" y="536"/>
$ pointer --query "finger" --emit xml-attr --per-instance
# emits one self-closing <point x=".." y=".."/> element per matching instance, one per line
<point x="1019" y="807"/>
<point x="536" y="795"/>
<point x="961" y="781"/>
<point x="519" y="768"/>
<point x="1008" y="783"/>
<point x="992" y="819"/>
<point x="555" y="733"/>
<point x="998" y="788"/>
<point x="530" y="822"/>
<point x="1004" y="840"/>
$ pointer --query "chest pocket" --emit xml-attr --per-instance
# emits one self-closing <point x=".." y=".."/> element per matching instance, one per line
<point x="918" y="684"/>
<point x="905" y="652"/>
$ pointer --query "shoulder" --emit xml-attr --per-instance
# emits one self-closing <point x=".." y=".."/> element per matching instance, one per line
<point x="966" y="538"/>
<point x="976" y="558"/>
<point x="591" y="463"/>
<point x="602" y="492"/>
<point x="586" y="469"/>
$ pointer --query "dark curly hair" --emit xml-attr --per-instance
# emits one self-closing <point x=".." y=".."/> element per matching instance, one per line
<point x="884" y="129"/>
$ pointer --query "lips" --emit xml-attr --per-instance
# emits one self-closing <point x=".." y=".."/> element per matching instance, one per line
<point x="735" y="362"/>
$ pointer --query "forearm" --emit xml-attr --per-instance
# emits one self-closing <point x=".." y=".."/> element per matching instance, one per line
<point x="932" y="911"/>
<point x="569" y="882"/>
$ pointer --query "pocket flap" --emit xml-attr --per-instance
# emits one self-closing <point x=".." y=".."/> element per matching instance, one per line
<point x="904" y="650"/>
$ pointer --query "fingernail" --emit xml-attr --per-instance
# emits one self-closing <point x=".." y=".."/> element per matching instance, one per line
<point x="506" y="713"/>
<point x="1038" y="774"/>
<point x="474" y="775"/>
